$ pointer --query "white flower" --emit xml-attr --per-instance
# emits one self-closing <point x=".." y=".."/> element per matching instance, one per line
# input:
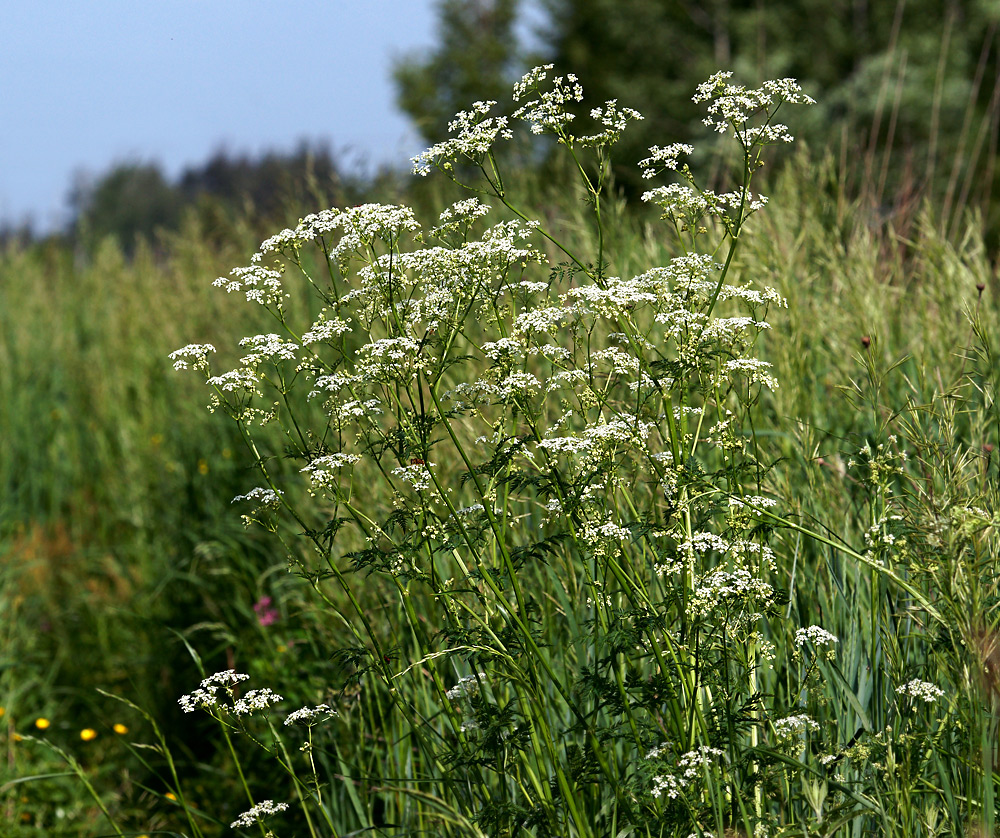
<point x="688" y="769"/>
<point x="547" y="113"/>
<point x="192" y="356"/>
<point x="226" y="678"/>
<point x="474" y="131"/>
<point x="390" y="360"/>
<point x="255" y="700"/>
<point x="921" y="689"/>
<point x="309" y="715"/>
<point x="613" y="119"/>
<point x="467" y="686"/>
<point x="241" y="379"/>
<point x="205" y="697"/>
<point x="258" y="813"/>
<point x="368" y="223"/>
<point x="819" y="637"/>
<point x="309" y="228"/>
<point x="702" y="542"/>
<point x="665" y="157"/>
<point x="794" y="726"/>
<point x="264" y="498"/>
<point x="732" y="105"/>
<point x="325" y="329"/>
<point x="324" y="472"/>
<point x="264" y="347"/>
<point x="417" y="475"/>
<point x="261" y="285"/>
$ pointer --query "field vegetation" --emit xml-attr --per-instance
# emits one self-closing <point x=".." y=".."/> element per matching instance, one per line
<point x="680" y="592"/>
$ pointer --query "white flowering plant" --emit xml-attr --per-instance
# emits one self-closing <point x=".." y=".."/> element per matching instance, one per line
<point x="550" y="468"/>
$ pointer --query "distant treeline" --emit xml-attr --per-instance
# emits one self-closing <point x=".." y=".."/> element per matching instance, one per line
<point x="136" y="200"/>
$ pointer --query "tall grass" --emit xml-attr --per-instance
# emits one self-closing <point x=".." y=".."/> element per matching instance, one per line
<point x="119" y="540"/>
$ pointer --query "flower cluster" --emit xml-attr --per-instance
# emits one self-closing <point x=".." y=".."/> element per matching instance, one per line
<point x="309" y="716"/>
<point x="731" y="105"/>
<point x="216" y="691"/>
<point x="547" y="114"/>
<point x="792" y="726"/>
<point x="923" y="690"/>
<point x="818" y="637"/>
<point x="689" y="767"/>
<point x="258" y="813"/>
<point x="474" y="131"/>
<point x="466" y="687"/>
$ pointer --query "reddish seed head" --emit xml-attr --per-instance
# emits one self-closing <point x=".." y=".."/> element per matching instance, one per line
<point x="980" y="287"/>
<point x="866" y="341"/>
<point x="988" y="448"/>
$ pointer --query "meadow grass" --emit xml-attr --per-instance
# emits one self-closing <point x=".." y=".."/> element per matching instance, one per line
<point x="127" y="569"/>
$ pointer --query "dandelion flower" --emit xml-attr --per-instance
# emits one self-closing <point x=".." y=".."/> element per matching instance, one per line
<point x="42" y="723"/>
<point x="88" y="734"/>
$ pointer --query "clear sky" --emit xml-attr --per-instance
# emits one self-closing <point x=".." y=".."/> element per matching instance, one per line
<point x="87" y="83"/>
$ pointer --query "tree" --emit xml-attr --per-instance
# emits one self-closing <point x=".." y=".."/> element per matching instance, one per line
<point x="476" y="59"/>
<point x="131" y="200"/>
<point x="912" y="85"/>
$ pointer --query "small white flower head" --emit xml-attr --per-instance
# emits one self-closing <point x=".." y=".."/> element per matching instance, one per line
<point x="226" y="678"/>
<point x="199" y="699"/>
<point x="819" y="638"/>
<point x="689" y="768"/>
<point x="255" y="700"/>
<point x="264" y="498"/>
<point x="417" y="474"/>
<point x="261" y="285"/>
<point x="474" y="133"/>
<point x="267" y="347"/>
<point x="613" y="120"/>
<point x="193" y="356"/>
<point x="362" y="226"/>
<point x="658" y="751"/>
<point x="324" y="472"/>
<point x="466" y="687"/>
<point x="313" y="226"/>
<point x="663" y="157"/>
<point x="309" y="716"/>
<point x="459" y="217"/>
<point x="390" y="360"/>
<point x="206" y="696"/>
<point x="325" y="329"/>
<point x="547" y="114"/>
<point x="257" y="814"/>
<point x="793" y="726"/>
<point x="731" y="105"/>
<point x="917" y="689"/>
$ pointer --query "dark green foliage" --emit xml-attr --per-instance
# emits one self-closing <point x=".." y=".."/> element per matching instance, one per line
<point x="476" y="58"/>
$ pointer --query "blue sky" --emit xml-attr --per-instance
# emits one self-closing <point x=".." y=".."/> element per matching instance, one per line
<point x="89" y="83"/>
